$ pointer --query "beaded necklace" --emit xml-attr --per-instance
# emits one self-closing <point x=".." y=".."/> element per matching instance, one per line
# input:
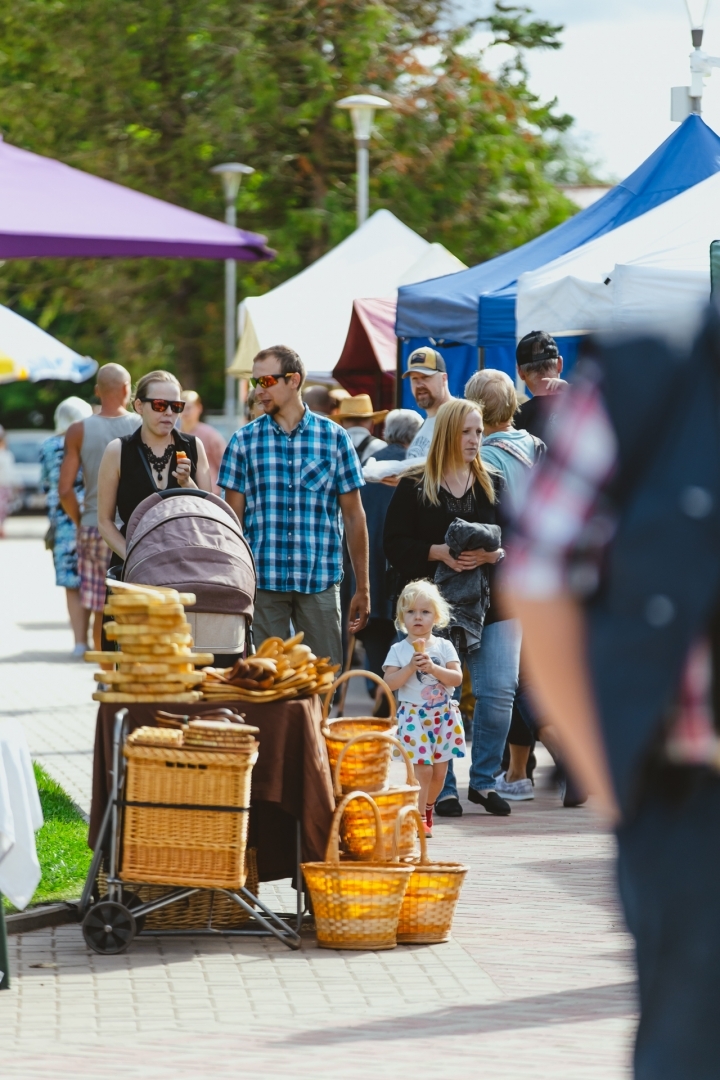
<point x="159" y="463"/>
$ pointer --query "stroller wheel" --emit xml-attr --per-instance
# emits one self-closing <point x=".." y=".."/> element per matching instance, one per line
<point x="108" y="928"/>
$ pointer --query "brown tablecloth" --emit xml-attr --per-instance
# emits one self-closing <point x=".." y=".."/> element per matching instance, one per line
<point x="290" y="781"/>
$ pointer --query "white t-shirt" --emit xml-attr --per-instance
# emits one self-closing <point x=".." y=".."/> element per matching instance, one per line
<point x="420" y="445"/>
<point x="422" y="689"/>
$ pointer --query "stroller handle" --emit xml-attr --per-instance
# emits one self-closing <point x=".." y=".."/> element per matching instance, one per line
<point x="167" y="493"/>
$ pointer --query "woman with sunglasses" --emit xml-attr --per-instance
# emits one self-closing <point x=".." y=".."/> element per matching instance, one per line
<point x="146" y="461"/>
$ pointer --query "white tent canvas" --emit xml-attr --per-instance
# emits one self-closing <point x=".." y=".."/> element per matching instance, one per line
<point x="27" y="352"/>
<point x="311" y="312"/>
<point x="653" y="272"/>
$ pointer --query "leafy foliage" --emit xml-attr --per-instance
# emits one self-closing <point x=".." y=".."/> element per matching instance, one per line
<point x="151" y="93"/>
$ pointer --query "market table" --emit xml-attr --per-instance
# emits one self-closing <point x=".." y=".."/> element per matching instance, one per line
<point x="291" y="780"/>
<point x="20" y="817"/>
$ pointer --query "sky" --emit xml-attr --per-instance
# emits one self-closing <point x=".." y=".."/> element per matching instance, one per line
<point x="615" y="69"/>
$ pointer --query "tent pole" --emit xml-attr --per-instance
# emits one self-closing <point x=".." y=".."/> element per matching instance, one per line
<point x="398" y="375"/>
<point x="481" y="358"/>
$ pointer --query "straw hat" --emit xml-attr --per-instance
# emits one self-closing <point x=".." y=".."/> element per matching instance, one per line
<point x="358" y="408"/>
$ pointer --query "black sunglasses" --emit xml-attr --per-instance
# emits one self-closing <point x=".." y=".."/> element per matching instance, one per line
<point x="159" y="404"/>
<point x="269" y="380"/>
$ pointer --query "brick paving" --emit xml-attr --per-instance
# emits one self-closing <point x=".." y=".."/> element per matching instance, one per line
<point x="537" y="981"/>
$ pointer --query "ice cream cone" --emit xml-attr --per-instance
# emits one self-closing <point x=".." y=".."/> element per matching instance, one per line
<point x="419" y="645"/>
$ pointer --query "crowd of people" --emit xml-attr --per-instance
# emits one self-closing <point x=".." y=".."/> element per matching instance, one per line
<point x="614" y="667"/>
<point x="405" y="566"/>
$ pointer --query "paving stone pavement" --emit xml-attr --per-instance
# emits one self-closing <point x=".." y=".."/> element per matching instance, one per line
<point x="536" y="982"/>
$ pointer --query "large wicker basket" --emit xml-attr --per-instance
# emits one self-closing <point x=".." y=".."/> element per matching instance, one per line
<point x="366" y="769"/>
<point x="186" y="816"/>
<point x="356" y="904"/>
<point x="204" y="910"/>
<point x="432" y="894"/>
<point x="358" y="825"/>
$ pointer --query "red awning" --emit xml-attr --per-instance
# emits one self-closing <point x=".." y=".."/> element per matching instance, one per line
<point x="368" y="361"/>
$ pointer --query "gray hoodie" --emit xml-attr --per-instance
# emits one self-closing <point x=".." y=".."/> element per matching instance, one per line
<point x="512" y="454"/>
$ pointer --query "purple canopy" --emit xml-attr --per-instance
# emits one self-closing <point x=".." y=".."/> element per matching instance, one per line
<point x="48" y="209"/>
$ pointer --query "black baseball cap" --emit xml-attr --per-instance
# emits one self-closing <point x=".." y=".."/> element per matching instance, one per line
<point x="425" y="359"/>
<point x="535" y="347"/>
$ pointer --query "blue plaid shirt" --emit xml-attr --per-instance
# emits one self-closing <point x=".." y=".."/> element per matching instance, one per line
<point x="291" y="484"/>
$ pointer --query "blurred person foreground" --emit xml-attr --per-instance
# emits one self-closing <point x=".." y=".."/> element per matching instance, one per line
<point x="614" y="571"/>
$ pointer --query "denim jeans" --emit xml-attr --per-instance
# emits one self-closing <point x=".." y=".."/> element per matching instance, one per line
<point x="494" y="678"/>
<point x="669" y="877"/>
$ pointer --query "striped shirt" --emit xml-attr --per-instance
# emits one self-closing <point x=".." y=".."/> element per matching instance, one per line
<point x="292" y="483"/>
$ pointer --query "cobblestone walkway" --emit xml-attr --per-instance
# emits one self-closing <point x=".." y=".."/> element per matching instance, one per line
<point x="536" y="983"/>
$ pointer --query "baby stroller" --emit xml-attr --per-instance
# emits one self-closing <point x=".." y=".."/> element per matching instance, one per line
<point x="192" y="541"/>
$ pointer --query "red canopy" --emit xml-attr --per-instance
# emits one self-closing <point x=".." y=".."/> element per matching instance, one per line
<point x="368" y="361"/>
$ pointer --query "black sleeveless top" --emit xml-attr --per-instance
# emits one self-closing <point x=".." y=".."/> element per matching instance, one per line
<point x="137" y="480"/>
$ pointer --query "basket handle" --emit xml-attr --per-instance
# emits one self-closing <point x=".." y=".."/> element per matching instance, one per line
<point x="351" y="675"/>
<point x="409" y="811"/>
<point x="367" y="737"/>
<point x="332" y="851"/>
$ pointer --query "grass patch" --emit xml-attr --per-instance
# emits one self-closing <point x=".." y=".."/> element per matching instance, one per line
<point x="62" y="845"/>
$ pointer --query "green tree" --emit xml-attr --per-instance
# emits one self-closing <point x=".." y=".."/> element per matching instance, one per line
<point x="151" y="93"/>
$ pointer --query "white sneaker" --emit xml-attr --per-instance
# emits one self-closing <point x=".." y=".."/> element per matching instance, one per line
<point x="79" y="651"/>
<point x="516" y="791"/>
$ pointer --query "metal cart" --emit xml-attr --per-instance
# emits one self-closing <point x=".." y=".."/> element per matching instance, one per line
<point x="110" y="923"/>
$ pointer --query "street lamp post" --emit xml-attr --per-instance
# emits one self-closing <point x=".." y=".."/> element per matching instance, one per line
<point x="685" y="100"/>
<point x="231" y="174"/>
<point x="362" y="111"/>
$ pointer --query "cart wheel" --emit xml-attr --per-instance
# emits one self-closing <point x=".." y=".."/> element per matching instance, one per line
<point x="130" y="900"/>
<point x="108" y="928"/>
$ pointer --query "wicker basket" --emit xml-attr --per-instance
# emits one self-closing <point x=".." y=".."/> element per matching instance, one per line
<point x="358" y="826"/>
<point x="366" y="769"/>
<point x="356" y="904"/>
<point x="203" y="910"/>
<point x="169" y="845"/>
<point x="432" y="894"/>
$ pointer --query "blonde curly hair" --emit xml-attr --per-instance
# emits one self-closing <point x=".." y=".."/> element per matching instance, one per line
<point x="422" y="590"/>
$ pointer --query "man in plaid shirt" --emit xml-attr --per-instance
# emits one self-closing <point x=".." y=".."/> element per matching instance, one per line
<point x="290" y="476"/>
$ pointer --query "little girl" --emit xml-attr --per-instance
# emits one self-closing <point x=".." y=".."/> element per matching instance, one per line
<point x="423" y="670"/>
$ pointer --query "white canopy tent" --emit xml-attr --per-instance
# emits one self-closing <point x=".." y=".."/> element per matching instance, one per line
<point x="27" y="352"/>
<point x="311" y="312"/>
<point x="652" y="273"/>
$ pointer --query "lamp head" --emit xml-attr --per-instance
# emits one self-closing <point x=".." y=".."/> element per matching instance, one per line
<point x="362" y="111"/>
<point x="697" y="10"/>
<point x="231" y="173"/>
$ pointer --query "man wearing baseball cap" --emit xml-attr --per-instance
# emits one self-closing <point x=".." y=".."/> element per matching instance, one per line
<point x="427" y="373"/>
<point x="539" y="365"/>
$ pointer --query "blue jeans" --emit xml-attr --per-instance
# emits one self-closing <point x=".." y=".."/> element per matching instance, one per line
<point x="494" y="677"/>
<point x="669" y="877"/>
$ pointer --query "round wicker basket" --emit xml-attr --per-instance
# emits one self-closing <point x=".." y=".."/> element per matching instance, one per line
<point x="432" y="894"/>
<point x="358" y="826"/>
<point x="356" y="904"/>
<point x="366" y="769"/>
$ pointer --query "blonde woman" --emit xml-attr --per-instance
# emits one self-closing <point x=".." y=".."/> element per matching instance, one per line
<point x="454" y="483"/>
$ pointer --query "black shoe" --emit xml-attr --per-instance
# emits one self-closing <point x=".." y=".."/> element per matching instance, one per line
<point x="492" y="802"/>
<point x="572" y="796"/>
<point x="449" y="807"/>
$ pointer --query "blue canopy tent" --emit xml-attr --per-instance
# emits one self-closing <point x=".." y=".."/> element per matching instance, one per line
<point x="476" y="307"/>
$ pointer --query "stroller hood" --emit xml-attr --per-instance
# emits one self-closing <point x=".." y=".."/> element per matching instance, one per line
<point x="192" y="541"/>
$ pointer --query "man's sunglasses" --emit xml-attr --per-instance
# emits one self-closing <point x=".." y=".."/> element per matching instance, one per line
<point x="158" y="404"/>
<point x="266" y="381"/>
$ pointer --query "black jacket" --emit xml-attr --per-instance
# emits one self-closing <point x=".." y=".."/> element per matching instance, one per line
<point x="375" y="499"/>
<point x="412" y="526"/>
